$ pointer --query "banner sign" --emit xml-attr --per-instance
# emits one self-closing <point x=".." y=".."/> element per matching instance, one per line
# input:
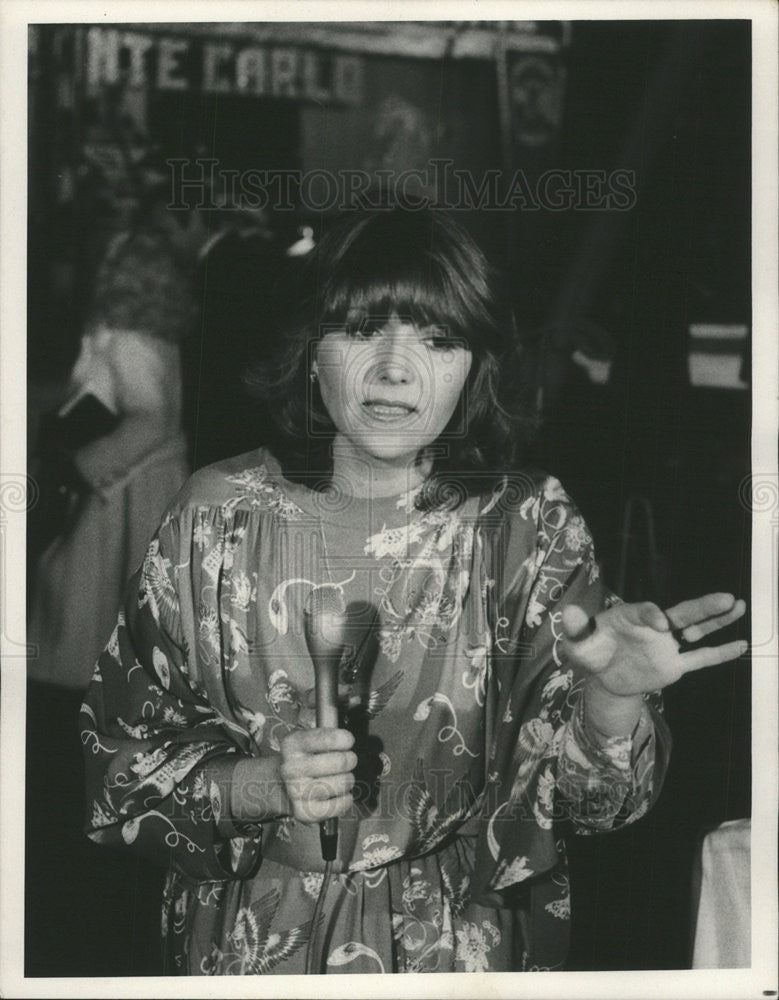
<point x="225" y="66"/>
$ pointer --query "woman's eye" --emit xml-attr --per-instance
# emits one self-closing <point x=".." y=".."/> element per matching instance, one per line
<point x="365" y="332"/>
<point x="439" y="343"/>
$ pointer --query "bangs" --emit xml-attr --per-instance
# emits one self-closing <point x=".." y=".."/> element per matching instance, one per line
<point x="361" y="305"/>
<point x="427" y="278"/>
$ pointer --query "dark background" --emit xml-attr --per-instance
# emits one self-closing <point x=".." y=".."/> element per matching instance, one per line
<point x="670" y="100"/>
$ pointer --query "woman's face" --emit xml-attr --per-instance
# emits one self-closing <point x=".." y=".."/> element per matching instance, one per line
<point x="390" y="388"/>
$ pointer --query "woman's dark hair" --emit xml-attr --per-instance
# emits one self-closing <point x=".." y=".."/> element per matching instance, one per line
<point x="424" y="267"/>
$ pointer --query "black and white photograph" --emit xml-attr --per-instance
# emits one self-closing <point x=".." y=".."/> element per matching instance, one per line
<point x="389" y="508"/>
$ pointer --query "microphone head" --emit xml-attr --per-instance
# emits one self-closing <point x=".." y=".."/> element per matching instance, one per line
<point x="327" y="598"/>
<point x="324" y="617"/>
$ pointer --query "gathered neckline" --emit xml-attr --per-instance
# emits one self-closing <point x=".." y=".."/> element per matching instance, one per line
<point x="335" y="506"/>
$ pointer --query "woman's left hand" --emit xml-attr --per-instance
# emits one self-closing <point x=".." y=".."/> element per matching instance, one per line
<point x="633" y="648"/>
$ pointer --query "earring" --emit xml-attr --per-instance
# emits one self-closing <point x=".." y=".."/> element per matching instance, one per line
<point x="314" y="376"/>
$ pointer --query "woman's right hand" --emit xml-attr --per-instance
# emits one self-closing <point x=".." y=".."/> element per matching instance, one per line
<point x="317" y="770"/>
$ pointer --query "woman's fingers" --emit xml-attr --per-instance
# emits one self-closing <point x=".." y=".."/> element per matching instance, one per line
<point x="577" y="626"/>
<point x="317" y="768"/>
<point x="328" y="786"/>
<point x="700" y="609"/>
<point x="314" y="810"/>
<point x="632" y="648"/>
<point x="692" y="633"/>
<point x="588" y="643"/>
<point x="650" y="614"/>
<point x="315" y="799"/>
<point x="315" y="765"/>
<point x="710" y="656"/>
<point x="576" y="623"/>
<point x="319" y="740"/>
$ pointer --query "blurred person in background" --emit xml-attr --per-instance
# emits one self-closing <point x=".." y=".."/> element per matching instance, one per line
<point x="117" y="449"/>
<point x="109" y="460"/>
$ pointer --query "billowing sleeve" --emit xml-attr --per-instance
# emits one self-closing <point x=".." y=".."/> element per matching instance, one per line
<point x="158" y="754"/>
<point x="544" y="767"/>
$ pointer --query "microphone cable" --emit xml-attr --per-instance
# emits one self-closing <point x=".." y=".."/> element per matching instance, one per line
<point x="312" y="952"/>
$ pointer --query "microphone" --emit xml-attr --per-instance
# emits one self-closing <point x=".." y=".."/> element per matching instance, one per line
<point x="324" y="626"/>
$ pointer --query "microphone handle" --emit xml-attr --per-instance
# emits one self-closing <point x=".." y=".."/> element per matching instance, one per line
<point x="327" y="716"/>
<point x="326" y="692"/>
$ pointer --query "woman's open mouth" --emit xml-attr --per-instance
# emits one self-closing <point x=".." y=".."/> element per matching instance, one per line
<point x="387" y="411"/>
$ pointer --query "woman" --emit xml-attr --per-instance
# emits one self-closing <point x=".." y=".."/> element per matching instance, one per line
<point x="494" y="694"/>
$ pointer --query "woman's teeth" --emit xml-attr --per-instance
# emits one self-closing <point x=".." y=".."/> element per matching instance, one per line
<point x="389" y="410"/>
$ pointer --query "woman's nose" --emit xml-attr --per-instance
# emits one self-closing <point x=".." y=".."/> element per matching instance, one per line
<point x="395" y="371"/>
<point x="395" y="362"/>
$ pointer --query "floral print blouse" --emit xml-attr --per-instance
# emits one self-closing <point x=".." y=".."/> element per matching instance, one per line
<point x="474" y="760"/>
